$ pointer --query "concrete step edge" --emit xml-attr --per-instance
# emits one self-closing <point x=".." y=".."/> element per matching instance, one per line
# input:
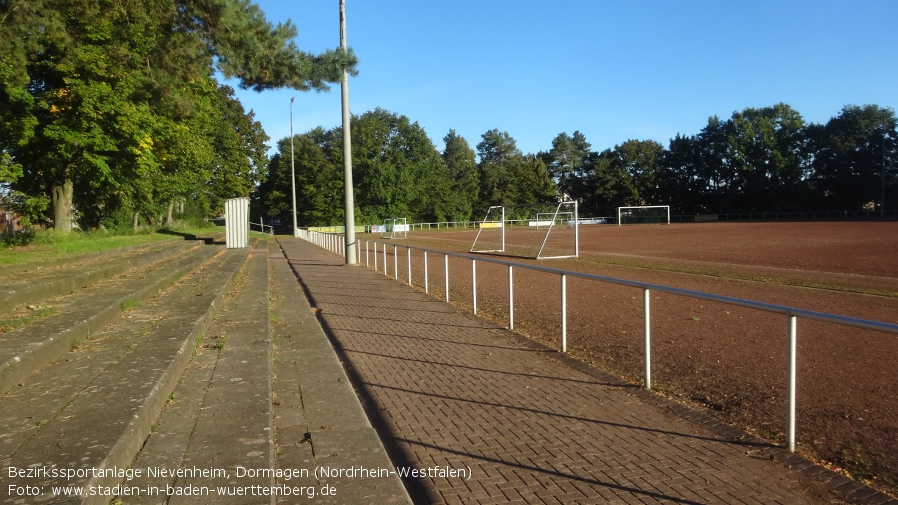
<point x="17" y="368"/>
<point x="36" y="292"/>
<point x="139" y="428"/>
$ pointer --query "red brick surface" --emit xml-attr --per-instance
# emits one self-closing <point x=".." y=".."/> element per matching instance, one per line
<point x="446" y="388"/>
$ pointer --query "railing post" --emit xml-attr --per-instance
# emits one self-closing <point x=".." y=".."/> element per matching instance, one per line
<point x="474" y="283"/>
<point x="385" y="258"/>
<point x="367" y="262"/>
<point x="563" y="313"/>
<point x="447" y="276"/>
<point x="576" y="230"/>
<point x="790" y="407"/>
<point x="395" y="262"/>
<point x="425" y="273"/>
<point x="510" y="298"/>
<point x="375" y="255"/>
<point x="408" y="257"/>
<point x="646" y="301"/>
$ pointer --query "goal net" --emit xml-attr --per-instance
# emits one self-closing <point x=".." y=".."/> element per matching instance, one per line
<point x="540" y="231"/>
<point x="643" y="214"/>
<point x="394" y="227"/>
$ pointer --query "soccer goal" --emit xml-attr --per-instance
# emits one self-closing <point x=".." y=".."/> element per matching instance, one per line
<point x="643" y="214"/>
<point x="540" y="231"/>
<point x="394" y="227"/>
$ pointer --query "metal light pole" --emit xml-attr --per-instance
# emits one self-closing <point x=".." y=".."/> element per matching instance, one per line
<point x="348" y="202"/>
<point x="882" y="170"/>
<point x="292" y="168"/>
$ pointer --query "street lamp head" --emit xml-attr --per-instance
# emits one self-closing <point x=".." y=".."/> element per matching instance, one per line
<point x="291" y="99"/>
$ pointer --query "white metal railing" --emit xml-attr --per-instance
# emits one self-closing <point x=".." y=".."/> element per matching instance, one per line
<point x="792" y="314"/>
<point x="262" y="227"/>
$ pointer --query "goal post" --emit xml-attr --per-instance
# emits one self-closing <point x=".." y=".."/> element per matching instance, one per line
<point x="643" y="214"/>
<point x="491" y="232"/>
<point x="539" y="231"/>
<point x="395" y="227"/>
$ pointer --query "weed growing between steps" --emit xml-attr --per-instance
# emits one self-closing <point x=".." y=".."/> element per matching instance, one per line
<point x="24" y="316"/>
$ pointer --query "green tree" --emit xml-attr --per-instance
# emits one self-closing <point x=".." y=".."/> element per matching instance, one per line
<point x="640" y="160"/>
<point x="319" y="183"/>
<point x="90" y="89"/>
<point x="681" y="184"/>
<point x="605" y="185"/>
<point x="508" y="177"/>
<point x="397" y="170"/>
<point x="461" y="161"/>
<point x="567" y="161"/>
<point x="766" y="147"/>
<point x="238" y="147"/>
<point x="849" y="155"/>
<point x="497" y="151"/>
<point x="711" y="157"/>
<point x="532" y="181"/>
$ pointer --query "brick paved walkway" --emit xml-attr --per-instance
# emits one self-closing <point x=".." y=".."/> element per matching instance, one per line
<point x="449" y="390"/>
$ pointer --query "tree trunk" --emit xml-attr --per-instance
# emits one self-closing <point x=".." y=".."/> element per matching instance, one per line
<point x="63" y="210"/>
<point x="136" y="221"/>
<point x="168" y="217"/>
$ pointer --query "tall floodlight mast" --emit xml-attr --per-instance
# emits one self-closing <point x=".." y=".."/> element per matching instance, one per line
<point x="348" y="202"/>
<point x="882" y="170"/>
<point x="292" y="168"/>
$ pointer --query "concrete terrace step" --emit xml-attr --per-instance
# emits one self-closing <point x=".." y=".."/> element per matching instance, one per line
<point x="219" y="417"/>
<point x="33" y="282"/>
<point x="262" y="396"/>
<point x="24" y="350"/>
<point x="94" y="408"/>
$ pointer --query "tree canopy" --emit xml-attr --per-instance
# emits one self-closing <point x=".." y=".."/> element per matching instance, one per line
<point x="109" y="108"/>
<point x="758" y="160"/>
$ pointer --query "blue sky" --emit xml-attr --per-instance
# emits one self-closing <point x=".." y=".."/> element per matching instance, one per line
<point x="614" y="70"/>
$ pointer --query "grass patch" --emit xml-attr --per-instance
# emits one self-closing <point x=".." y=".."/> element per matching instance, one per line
<point x="222" y="340"/>
<point x="50" y="245"/>
<point x="129" y="304"/>
<point x="33" y="315"/>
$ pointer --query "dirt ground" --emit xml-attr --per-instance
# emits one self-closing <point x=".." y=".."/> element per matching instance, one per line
<point x="726" y="359"/>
